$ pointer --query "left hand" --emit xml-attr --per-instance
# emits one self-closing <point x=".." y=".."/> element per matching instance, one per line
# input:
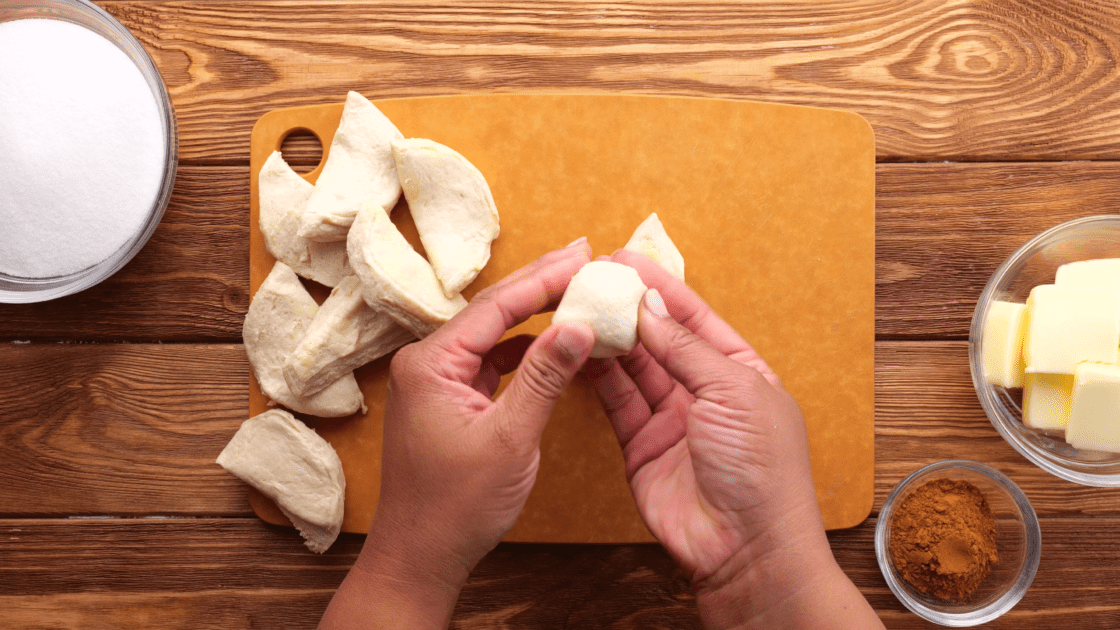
<point x="457" y="466"/>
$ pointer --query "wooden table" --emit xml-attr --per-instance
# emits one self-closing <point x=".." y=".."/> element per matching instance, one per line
<point x="994" y="120"/>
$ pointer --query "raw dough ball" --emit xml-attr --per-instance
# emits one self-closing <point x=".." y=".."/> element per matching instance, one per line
<point x="283" y="200"/>
<point x="394" y="278"/>
<point x="344" y="335"/>
<point x="277" y="320"/>
<point x="651" y="240"/>
<point x="451" y="204"/>
<point x="605" y="296"/>
<point x="359" y="169"/>
<point x="295" y="467"/>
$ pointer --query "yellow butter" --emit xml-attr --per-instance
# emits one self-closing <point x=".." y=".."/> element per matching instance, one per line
<point x="1068" y="325"/>
<point x="1103" y="273"/>
<point x="1003" y="344"/>
<point x="1094" y="420"/>
<point x="1046" y="400"/>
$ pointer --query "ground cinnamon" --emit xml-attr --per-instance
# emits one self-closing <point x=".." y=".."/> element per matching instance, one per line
<point x="942" y="538"/>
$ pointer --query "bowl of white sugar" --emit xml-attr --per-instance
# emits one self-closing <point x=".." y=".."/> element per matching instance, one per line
<point x="88" y="148"/>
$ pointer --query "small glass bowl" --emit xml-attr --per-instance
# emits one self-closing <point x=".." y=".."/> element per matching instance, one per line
<point x="1018" y="542"/>
<point x="18" y="290"/>
<point x="1033" y="264"/>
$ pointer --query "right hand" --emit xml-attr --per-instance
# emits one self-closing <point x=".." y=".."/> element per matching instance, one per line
<point x="716" y="454"/>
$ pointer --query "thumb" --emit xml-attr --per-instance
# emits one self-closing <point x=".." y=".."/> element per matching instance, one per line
<point x="545" y="371"/>
<point x="685" y="356"/>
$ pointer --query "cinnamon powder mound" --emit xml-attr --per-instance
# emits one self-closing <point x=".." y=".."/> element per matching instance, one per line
<point x="942" y="538"/>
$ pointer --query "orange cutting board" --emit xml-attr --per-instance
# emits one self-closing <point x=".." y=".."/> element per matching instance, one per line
<point x="772" y="206"/>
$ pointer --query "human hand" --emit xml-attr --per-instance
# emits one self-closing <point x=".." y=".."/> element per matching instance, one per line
<point x="457" y="466"/>
<point x="717" y="457"/>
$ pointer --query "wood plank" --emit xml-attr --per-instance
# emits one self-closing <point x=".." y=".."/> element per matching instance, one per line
<point x="189" y="283"/>
<point x="120" y="429"/>
<point x="926" y="411"/>
<point x="136" y="429"/>
<point x="222" y="573"/>
<point x="942" y="230"/>
<point x="938" y="79"/>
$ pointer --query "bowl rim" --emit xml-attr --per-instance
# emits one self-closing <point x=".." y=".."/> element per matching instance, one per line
<point x="18" y="290"/>
<point x="986" y="393"/>
<point x="1017" y="590"/>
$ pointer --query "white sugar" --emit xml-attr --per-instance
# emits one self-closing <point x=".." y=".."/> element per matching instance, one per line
<point x="81" y="148"/>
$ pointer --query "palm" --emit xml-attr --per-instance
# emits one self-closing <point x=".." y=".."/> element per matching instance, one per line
<point x="682" y="496"/>
<point x="685" y="455"/>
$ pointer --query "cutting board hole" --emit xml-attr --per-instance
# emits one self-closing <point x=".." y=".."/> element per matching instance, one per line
<point x="302" y="150"/>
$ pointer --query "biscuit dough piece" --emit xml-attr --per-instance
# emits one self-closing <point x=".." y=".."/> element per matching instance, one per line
<point x="278" y="318"/>
<point x="605" y="296"/>
<point x="283" y="198"/>
<point x="359" y="170"/>
<point x="651" y="240"/>
<point x="295" y="467"/>
<point x="394" y="278"/>
<point x="453" y="209"/>
<point x="345" y="335"/>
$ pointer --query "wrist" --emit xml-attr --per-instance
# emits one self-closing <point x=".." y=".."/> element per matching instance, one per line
<point x="400" y="580"/>
<point x="412" y="561"/>
<point x="776" y="575"/>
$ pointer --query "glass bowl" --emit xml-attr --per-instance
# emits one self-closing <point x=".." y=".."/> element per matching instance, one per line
<point x="15" y="289"/>
<point x="1018" y="542"/>
<point x="1033" y="264"/>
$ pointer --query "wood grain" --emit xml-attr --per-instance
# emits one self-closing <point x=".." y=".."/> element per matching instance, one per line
<point x="120" y="429"/>
<point x="942" y="229"/>
<point x="111" y="429"/>
<point x="132" y="429"/>
<point x="938" y="79"/>
<point x="223" y="573"/>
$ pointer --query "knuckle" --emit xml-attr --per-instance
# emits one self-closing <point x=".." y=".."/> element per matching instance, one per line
<point x="681" y="340"/>
<point x="486" y="295"/>
<point x="405" y="363"/>
<point x="542" y="377"/>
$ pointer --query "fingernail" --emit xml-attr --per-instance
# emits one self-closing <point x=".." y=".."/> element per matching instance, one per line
<point x="654" y="303"/>
<point x="571" y="342"/>
<point x="582" y="239"/>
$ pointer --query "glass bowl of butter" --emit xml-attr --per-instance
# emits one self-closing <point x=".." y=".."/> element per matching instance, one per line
<point x="1044" y="349"/>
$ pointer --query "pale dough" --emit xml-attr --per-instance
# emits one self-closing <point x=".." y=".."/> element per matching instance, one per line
<point x="283" y="198"/>
<point x="452" y="207"/>
<point x="345" y="335"/>
<point x="295" y="467"/>
<point x="359" y="170"/>
<point x="604" y="296"/>
<point x="650" y="239"/>
<point x="394" y="278"/>
<point x="278" y="318"/>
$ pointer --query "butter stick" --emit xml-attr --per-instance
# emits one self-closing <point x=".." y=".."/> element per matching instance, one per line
<point x="1046" y="401"/>
<point x="1094" y="421"/>
<point x="1003" y="344"/>
<point x="1070" y="325"/>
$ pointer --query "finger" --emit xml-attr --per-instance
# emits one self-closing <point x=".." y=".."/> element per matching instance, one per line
<point x="622" y="401"/>
<point x="580" y="244"/>
<point x="459" y="345"/>
<point x="696" y="364"/>
<point x="503" y="359"/>
<point x="655" y="384"/>
<point x="545" y="371"/>
<point x="693" y="313"/>
<point x="664" y="430"/>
